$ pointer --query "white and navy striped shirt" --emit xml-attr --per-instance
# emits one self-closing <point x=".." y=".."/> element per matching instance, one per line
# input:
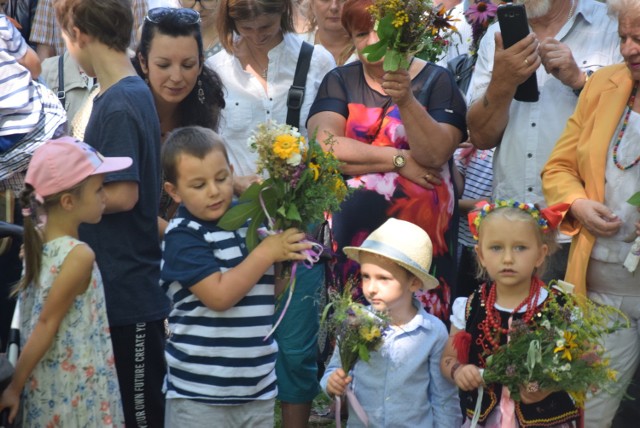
<point x="215" y="357"/>
<point x="20" y="103"/>
<point x="478" y="182"/>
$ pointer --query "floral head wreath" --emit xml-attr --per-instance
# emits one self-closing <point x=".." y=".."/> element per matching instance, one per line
<point x="547" y="218"/>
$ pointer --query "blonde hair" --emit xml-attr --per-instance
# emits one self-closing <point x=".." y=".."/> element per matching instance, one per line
<point x="547" y="238"/>
<point x="33" y="244"/>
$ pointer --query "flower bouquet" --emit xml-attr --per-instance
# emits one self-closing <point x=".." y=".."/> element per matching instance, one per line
<point x="563" y="350"/>
<point x="358" y="332"/>
<point x="303" y="183"/>
<point x="405" y="28"/>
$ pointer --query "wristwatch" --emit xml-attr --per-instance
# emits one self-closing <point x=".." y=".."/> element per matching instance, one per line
<point x="399" y="160"/>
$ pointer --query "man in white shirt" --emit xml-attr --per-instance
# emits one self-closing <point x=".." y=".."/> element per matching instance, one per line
<point x="570" y="39"/>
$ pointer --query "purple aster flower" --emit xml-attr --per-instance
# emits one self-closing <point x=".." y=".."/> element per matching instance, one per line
<point x="481" y="12"/>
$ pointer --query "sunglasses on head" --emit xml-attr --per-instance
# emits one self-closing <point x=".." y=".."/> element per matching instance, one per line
<point x="184" y="15"/>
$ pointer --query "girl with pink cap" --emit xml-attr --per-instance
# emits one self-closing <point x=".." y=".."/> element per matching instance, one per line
<point x="66" y="372"/>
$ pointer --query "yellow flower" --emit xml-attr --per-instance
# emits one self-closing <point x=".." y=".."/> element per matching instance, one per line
<point x="400" y="18"/>
<point x="612" y="374"/>
<point x="370" y="333"/>
<point x="579" y="397"/>
<point x="339" y="188"/>
<point x="567" y="346"/>
<point x="316" y="170"/>
<point x="286" y="145"/>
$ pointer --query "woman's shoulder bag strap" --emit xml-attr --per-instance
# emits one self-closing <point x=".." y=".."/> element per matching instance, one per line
<point x="296" y="92"/>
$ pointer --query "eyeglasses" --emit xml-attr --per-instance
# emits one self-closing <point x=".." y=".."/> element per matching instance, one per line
<point x="183" y="15"/>
<point x="205" y="4"/>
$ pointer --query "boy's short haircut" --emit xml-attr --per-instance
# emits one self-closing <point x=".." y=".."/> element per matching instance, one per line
<point x="108" y="21"/>
<point x="195" y="141"/>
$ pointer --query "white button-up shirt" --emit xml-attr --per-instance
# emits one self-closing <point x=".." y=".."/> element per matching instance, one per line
<point x="534" y="128"/>
<point x="247" y="103"/>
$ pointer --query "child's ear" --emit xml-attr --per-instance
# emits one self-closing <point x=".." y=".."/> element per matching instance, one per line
<point x="171" y="189"/>
<point x="80" y="38"/>
<point x="544" y="252"/>
<point x="416" y="284"/>
<point x="67" y="201"/>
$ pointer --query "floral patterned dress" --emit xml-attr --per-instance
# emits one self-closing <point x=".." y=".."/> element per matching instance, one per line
<point x="75" y="383"/>
<point x="373" y="119"/>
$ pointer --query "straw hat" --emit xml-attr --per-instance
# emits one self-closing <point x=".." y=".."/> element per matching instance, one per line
<point x="403" y="242"/>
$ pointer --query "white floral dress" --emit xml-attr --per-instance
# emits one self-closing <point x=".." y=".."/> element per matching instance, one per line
<point x="75" y="383"/>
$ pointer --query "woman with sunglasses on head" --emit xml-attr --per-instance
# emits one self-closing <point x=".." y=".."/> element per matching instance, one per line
<point x="170" y="58"/>
<point x="257" y="67"/>
<point x="208" y="12"/>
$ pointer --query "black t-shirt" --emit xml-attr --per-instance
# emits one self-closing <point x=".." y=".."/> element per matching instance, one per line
<point x="124" y="122"/>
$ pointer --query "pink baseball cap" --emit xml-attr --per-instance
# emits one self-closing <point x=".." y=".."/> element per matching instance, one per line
<point x="60" y="164"/>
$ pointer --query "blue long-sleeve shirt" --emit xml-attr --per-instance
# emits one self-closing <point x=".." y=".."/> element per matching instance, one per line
<point x="401" y="384"/>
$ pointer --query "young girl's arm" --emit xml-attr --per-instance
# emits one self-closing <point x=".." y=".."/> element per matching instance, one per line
<point x="73" y="279"/>
<point x="466" y="376"/>
<point x="221" y="291"/>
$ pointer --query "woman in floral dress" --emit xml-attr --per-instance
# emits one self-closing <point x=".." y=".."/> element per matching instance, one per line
<point x="395" y="133"/>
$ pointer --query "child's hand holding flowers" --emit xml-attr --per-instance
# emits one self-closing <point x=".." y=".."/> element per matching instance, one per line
<point x="468" y="377"/>
<point x="287" y="245"/>
<point x="338" y="383"/>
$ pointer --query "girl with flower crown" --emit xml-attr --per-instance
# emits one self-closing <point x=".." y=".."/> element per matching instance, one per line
<point x="514" y="240"/>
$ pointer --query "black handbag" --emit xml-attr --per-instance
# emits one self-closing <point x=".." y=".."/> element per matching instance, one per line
<point x="462" y="69"/>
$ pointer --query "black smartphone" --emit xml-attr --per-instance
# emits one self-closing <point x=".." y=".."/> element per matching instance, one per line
<point x="514" y="27"/>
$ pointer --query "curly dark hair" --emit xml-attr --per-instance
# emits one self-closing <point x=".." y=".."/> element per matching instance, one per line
<point x="191" y="111"/>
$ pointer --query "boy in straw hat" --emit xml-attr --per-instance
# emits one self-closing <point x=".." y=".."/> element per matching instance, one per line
<point x="401" y="384"/>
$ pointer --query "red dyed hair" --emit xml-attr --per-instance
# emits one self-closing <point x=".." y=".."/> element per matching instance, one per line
<point x="355" y="16"/>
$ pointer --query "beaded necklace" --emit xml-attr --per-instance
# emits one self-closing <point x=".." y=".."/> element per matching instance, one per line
<point x="492" y="326"/>
<point x="632" y="99"/>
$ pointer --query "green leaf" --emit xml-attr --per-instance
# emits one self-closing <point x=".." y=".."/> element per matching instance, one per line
<point x="251" y="193"/>
<point x="376" y="51"/>
<point x="269" y="199"/>
<point x="635" y="199"/>
<point x="293" y="213"/>
<point x="385" y="28"/>
<point x="252" y="238"/>
<point x="363" y="352"/>
<point x="392" y="60"/>
<point x="238" y="215"/>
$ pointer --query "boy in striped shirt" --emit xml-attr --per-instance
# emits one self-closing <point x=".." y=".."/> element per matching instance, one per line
<point x="220" y="367"/>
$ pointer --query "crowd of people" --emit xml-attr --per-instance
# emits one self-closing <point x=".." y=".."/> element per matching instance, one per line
<point x="123" y="141"/>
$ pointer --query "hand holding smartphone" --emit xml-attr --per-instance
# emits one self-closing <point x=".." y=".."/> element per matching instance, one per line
<point x="514" y="27"/>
